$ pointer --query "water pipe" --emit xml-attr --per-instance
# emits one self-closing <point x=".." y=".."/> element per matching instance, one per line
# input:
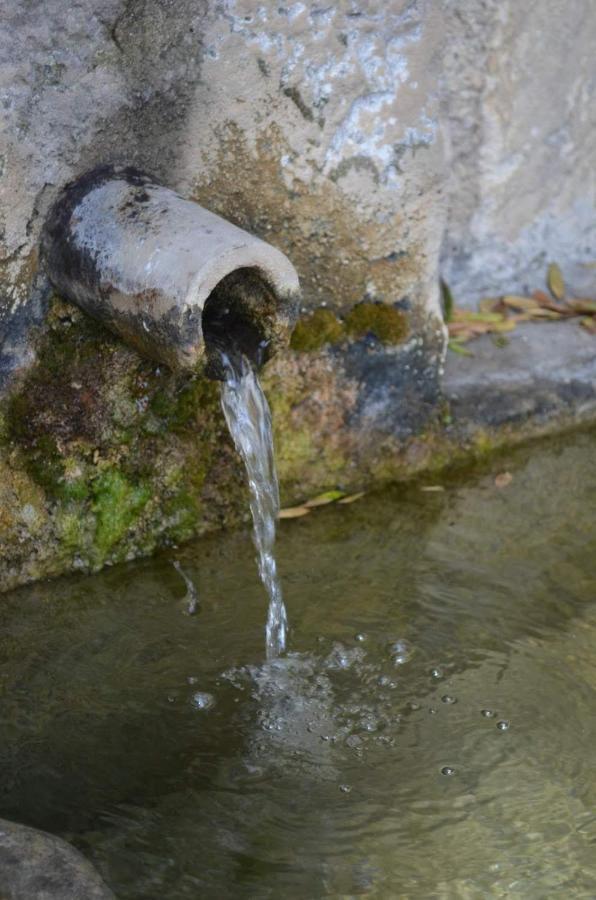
<point x="171" y="278"/>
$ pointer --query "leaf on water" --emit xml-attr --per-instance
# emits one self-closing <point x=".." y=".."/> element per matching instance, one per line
<point x="352" y="497"/>
<point x="293" y="512"/>
<point x="555" y="282"/>
<point x="503" y="479"/>
<point x="456" y="347"/>
<point x="324" y="499"/>
<point x="432" y="488"/>
<point x="524" y="304"/>
<point x="448" y="304"/>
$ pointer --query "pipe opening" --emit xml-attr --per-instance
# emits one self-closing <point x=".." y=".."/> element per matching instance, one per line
<point x="239" y="320"/>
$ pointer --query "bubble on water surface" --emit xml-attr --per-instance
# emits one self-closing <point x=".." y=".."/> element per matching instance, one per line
<point x="448" y="698"/>
<point x="487" y="713"/>
<point x="503" y="725"/>
<point x="203" y="701"/>
<point x="401" y="652"/>
<point x="436" y="673"/>
<point x="447" y="770"/>
<point x="345" y="788"/>
<point x="360" y="637"/>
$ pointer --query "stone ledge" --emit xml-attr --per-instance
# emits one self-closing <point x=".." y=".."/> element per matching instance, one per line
<point x="544" y="378"/>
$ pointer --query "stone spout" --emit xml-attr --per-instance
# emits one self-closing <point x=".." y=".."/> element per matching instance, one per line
<point x="172" y="279"/>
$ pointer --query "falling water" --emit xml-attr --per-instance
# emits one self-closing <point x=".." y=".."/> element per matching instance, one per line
<point x="249" y="420"/>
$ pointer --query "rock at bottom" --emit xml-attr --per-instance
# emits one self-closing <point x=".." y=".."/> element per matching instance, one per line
<point x="35" y="865"/>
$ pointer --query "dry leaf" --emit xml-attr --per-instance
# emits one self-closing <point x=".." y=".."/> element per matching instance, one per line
<point x="554" y="280"/>
<point x="324" y="499"/>
<point x="503" y="479"/>
<point x="456" y="347"/>
<point x="505" y="325"/>
<point x="542" y="297"/>
<point x="589" y="323"/>
<point x="524" y="304"/>
<point x="543" y="312"/>
<point x="489" y="304"/>
<point x="469" y="317"/>
<point x="352" y="498"/>
<point x="584" y="307"/>
<point x="293" y="512"/>
<point x="432" y="488"/>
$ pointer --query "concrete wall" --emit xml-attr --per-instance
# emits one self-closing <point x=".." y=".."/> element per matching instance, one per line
<point x="360" y="137"/>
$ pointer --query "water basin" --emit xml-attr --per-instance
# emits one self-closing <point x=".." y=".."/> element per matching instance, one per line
<point x="430" y="733"/>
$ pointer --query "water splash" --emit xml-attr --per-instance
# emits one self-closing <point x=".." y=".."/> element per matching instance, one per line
<point x="248" y="418"/>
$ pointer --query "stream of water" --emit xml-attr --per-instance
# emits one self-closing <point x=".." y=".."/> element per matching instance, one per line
<point x="248" y="418"/>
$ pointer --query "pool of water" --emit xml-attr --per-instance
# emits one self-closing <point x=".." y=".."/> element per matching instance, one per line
<point x="365" y="762"/>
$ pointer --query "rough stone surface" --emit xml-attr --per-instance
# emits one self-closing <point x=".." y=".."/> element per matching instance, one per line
<point x="543" y="377"/>
<point x="35" y="865"/>
<point x="520" y="126"/>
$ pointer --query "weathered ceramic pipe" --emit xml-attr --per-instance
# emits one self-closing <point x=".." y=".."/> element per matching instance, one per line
<point x="171" y="278"/>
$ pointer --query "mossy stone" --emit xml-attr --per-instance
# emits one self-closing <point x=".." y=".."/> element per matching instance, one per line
<point x="312" y="332"/>
<point x="388" y="324"/>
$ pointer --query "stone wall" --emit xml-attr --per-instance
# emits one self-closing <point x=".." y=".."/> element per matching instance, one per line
<point x="377" y="143"/>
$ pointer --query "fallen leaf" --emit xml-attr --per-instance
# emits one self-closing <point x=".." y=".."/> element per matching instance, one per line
<point x="448" y="304"/>
<point x="542" y="297"/>
<point x="293" y="512"/>
<point x="555" y="282"/>
<point x="324" y="499"/>
<point x="589" y="323"/>
<point x="544" y="312"/>
<point x="489" y="304"/>
<point x="503" y="479"/>
<point x="505" y="325"/>
<point x="469" y="316"/>
<point x="432" y="488"/>
<point x="584" y="307"/>
<point x="352" y="498"/>
<point x="524" y="304"/>
<point x="456" y="347"/>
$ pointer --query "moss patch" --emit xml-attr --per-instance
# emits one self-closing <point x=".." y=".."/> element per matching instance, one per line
<point x="314" y="331"/>
<point x="323" y="327"/>
<point x="107" y="456"/>
<point x="385" y="322"/>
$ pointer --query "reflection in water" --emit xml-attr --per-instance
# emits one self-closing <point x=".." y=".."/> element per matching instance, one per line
<point x="371" y="760"/>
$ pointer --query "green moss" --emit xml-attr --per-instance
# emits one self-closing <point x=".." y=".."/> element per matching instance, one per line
<point x="387" y="323"/>
<point x="314" y="331"/>
<point x="117" y="504"/>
